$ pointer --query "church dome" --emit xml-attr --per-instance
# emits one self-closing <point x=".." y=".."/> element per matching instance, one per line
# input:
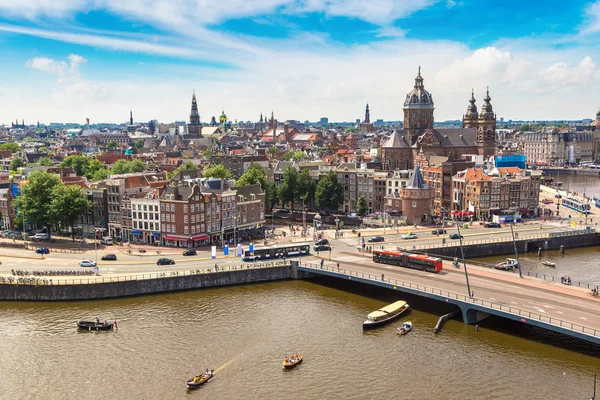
<point x="223" y="117"/>
<point x="418" y="97"/>
<point x="596" y="123"/>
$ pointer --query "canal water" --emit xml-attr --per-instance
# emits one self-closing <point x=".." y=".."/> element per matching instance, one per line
<point x="244" y="332"/>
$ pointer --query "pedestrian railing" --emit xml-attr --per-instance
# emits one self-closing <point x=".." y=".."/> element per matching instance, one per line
<point x="456" y="296"/>
<point x="97" y="279"/>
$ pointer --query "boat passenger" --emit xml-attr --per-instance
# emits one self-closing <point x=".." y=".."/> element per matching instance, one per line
<point x="97" y="321"/>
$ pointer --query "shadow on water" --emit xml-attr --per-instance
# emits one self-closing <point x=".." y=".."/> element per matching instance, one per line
<point x="437" y="308"/>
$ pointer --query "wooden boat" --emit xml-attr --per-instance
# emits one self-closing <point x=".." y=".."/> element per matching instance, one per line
<point x="199" y="380"/>
<point x="95" y="326"/>
<point x="507" y="265"/>
<point x="404" y="328"/>
<point x="549" y="263"/>
<point x="385" y="314"/>
<point x="291" y="362"/>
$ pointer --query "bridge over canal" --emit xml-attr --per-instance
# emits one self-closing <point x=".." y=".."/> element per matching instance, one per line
<point x="555" y="307"/>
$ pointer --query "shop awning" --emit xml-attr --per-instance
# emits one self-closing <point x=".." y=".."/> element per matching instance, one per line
<point x="199" y="237"/>
<point x="136" y="233"/>
<point x="177" y="237"/>
<point x="156" y="234"/>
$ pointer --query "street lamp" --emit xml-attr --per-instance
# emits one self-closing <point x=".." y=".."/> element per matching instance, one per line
<point x="316" y="223"/>
<point x="337" y="227"/>
<point x="515" y="247"/>
<point x="462" y="253"/>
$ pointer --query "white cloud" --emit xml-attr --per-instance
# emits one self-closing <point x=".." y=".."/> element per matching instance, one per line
<point x="59" y="68"/>
<point x="560" y="76"/>
<point x="592" y="24"/>
<point x="32" y="9"/>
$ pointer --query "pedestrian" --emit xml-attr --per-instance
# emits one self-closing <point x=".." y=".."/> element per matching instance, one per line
<point x="338" y="266"/>
<point x="472" y="293"/>
<point x="322" y="261"/>
<point x="382" y="276"/>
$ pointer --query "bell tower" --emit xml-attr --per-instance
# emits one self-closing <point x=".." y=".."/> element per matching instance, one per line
<point x="486" y="130"/>
<point x="418" y="110"/>
<point x="470" y="119"/>
<point x="194" y="127"/>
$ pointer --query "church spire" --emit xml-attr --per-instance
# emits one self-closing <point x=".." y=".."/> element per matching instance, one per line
<point x="367" y="115"/>
<point x="487" y="110"/>
<point x="130" y="117"/>
<point x="419" y="80"/>
<point x="194" y="115"/>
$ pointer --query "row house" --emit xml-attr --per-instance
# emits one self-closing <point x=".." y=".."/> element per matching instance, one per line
<point x="346" y="173"/>
<point x="145" y="215"/>
<point x="7" y="209"/>
<point x="96" y="219"/>
<point x="210" y="211"/>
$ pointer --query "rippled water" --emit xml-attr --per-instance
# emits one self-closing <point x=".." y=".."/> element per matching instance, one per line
<point x="244" y="332"/>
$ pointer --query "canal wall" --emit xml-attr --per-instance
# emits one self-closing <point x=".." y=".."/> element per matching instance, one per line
<point x="561" y="171"/>
<point x="143" y="284"/>
<point x="484" y="248"/>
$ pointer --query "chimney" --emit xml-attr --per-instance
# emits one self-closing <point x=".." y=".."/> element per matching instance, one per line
<point x="286" y="132"/>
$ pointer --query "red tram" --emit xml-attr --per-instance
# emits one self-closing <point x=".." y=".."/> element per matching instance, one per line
<point x="408" y="260"/>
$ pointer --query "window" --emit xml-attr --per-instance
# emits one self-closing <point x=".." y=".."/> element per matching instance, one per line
<point x="414" y="204"/>
<point x="185" y="219"/>
<point x="185" y="230"/>
<point x="162" y="206"/>
<point x="185" y="208"/>
<point x="193" y="219"/>
<point x="162" y="217"/>
<point x="172" y="207"/>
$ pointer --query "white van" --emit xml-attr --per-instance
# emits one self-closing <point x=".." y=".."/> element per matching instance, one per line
<point x="107" y="240"/>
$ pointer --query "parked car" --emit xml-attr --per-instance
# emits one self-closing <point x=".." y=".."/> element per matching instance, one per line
<point x="409" y="236"/>
<point x="165" y="261"/>
<point x="492" y="225"/>
<point x="547" y="201"/>
<point x="322" y="247"/>
<point x="455" y="236"/>
<point x="558" y="196"/>
<point x="190" y="252"/>
<point x="43" y="250"/>
<point x="438" y="231"/>
<point x="376" y="239"/>
<point x="107" y="240"/>
<point x="40" y="236"/>
<point x="87" y="263"/>
<point x="321" y="241"/>
<point x="109" y="257"/>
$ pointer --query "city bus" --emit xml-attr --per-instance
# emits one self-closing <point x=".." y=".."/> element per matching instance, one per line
<point x="276" y="251"/>
<point x="408" y="260"/>
<point x="576" y="205"/>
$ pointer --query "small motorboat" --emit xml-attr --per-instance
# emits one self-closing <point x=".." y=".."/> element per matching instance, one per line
<point x="291" y="362"/>
<point x="549" y="263"/>
<point x="507" y="265"/>
<point x="199" y="380"/>
<point x="95" y="325"/>
<point x="404" y="328"/>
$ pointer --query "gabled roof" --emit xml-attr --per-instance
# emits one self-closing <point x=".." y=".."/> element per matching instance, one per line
<point x="416" y="180"/>
<point x="396" y="141"/>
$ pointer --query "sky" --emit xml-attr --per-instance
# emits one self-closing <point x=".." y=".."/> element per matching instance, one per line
<point x="68" y="60"/>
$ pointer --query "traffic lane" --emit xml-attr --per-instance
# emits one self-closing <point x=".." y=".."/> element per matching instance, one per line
<point x="568" y="308"/>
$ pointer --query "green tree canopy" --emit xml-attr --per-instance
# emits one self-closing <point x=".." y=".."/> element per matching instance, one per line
<point x="186" y="166"/>
<point x="35" y="197"/>
<point x="67" y="205"/>
<point x="112" y="144"/>
<point x="361" y="206"/>
<point x="330" y="192"/>
<point x="305" y="189"/>
<point x="120" y="167"/>
<point x="271" y="195"/>
<point x="137" y="166"/>
<point x="207" y="154"/>
<point x="254" y="175"/>
<point x="272" y="150"/>
<point x="45" y="162"/>
<point x="96" y="171"/>
<point x="16" y="163"/>
<point x="217" y="171"/>
<point x="43" y="149"/>
<point x="77" y="162"/>
<point x="288" y="188"/>
<point x="139" y="144"/>
<point x="10" y="146"/>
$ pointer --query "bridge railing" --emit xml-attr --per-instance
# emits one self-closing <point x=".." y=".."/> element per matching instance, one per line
<point x="456" y="296"/>
<point x="97" y="279"/>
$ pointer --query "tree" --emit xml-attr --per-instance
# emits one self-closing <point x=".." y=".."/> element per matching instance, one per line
<point x="139" y="144"/>
<point x="35" y="197"/>
<point x="67" y="205"/>
<point x="206" y="154"/>
<point x="287" y="156"/>
<point x="45" y="162"/>
<point x="305" y="187"/>
<point x="112" y="144"/>
<point x="137" y="166"/>
<point x="217" y="171"/>
<point x="299" y="156"/>
<point x="120" y="167"/>
<point x="43" y="149"/>
<point x="254" y="175"/>
<point x="16" y="163"/>
<point x="330" y="192"/>
<point x="95" y="170"/>
<point x="271" y="196"/>
<point x="186" y="166"/>
<point x="361" y="206"/>
<point x="10" y="146"/>
<point x="272" y="150"/>
<point x="78" y="163"/>
<point x="288" y="188"/>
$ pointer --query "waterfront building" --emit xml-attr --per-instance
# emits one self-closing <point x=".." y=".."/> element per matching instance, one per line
<point x="477" y="135"/>
<point x="145" y="217"/>
<point x="417" y="199"/>
<point x="553" y="147"/>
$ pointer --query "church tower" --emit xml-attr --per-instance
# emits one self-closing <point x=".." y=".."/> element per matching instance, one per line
<point x="470" y="119"/>
<point x="486" y="130"/>
<point x="194" y="127"/>
<point x="418" y="110"/>
<point x="367" y="115"/>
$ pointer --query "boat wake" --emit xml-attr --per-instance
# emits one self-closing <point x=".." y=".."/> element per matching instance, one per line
<point x="228" y="363"/>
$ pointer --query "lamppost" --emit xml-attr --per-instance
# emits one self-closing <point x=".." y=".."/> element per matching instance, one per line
<point x="337" y="227"/>
<point x="384" y="214"/>
<point x="515" y="247"/>
<point x="303" y="219"/>
<point x="96" y="230"/>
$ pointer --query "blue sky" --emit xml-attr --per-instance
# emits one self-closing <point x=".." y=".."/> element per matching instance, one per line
<point x="65" y="60"/>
